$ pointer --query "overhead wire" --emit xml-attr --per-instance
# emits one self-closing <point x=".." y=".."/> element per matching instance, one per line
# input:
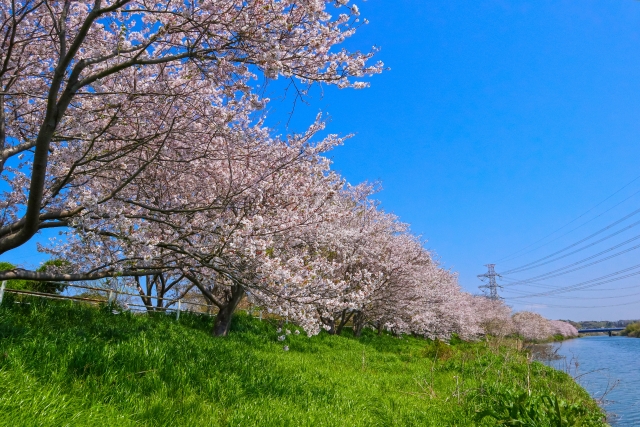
<point x="554" y="290"/>
<point x="590" y="306"/>
<point x="613" y="224"/>
<point x="513" y="255"/>
<point x="575" y="297"/>
<point x="513" y="281"/>
<point x="563" y="290"/>
<point x="587" y="283"/>
<point x="564" y="270"/>
<point x="612" y="289"/>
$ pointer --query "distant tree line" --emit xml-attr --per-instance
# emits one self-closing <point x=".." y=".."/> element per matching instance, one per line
<point x="595" y="324"/>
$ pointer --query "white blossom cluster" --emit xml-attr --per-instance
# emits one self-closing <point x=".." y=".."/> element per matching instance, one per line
<point x="531" y="326"/>
<point x="566" y="329"/>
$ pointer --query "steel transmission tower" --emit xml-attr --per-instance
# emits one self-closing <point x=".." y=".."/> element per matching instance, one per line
<point x="492" y="286"/>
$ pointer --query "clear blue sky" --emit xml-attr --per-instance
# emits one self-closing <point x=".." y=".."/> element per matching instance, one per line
<point x="498" y="122"/>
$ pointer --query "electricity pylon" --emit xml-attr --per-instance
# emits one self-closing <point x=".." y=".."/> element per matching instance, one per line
<point x="492" y="286"/>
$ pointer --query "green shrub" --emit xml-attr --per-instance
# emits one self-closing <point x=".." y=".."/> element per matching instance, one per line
<point x="519" y="408"/>
<point x="438" y="350"/>
<point x="632" y="330"/>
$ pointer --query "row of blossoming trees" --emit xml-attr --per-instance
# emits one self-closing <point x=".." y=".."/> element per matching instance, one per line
<point x="496" y="319"/>
<point x="135" y="127"/>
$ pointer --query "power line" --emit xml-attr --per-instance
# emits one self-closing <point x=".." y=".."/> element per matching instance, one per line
<point x="544" y="285"/>
<point x="563" y="290"/>
<point x="591" y="306"/>
<point x="518" y="270"/>
<point x="586" y="284"/>
<point x="598" y="298"/>
<point x="613" y="224"/>
<point x="611" y="289"/>
<point x="551" y="274"/>
<point x="514" y="281"/>
<point x="513" y="254"/>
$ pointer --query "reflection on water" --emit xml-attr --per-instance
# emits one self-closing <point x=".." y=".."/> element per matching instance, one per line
<point x="609" y="369"/>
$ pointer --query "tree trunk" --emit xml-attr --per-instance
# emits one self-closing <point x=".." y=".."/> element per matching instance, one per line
<point x="344" y="318"/>
<point x="160" y="290"/>
<point x="358" y="324"/>
<point x="223" y="319"/>
<point x="144" y="297"/>
<point x="330" y="323"/>
<point x="147" y="280"/>
<point x="379" y="328"/>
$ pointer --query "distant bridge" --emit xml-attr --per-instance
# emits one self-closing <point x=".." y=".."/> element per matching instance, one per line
<point x="609" y="330"/>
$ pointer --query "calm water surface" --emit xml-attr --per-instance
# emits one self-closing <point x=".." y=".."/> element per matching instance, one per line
<point x="608" y="366"/>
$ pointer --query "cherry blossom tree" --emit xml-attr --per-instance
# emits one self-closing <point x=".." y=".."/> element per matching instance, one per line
<point x="226" y="216"/>
<point x="567" y="330"/>
<point x="531" y="326"/>
<point x="98" y="91"/>
<point x="388" y="280"/>
<point x="493" y="316"/>
<point x="352" y="250"/>
<point x="442" y="309"/>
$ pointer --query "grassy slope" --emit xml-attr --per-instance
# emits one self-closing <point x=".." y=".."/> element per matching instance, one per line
<point x="62" y="364"/>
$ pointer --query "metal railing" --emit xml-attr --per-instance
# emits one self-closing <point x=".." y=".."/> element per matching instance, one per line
<point x="112" y="297"/>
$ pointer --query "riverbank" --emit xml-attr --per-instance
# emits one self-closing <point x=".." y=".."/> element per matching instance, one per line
<point x="64" y="364"/>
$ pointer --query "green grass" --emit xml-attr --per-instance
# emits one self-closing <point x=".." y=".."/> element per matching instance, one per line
<point x="72" y="365"/>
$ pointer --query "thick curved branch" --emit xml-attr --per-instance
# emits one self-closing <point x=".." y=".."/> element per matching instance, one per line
<point x="48" y="216"/>
<point x="18" y="273"/>
<point x="207" y="294"/>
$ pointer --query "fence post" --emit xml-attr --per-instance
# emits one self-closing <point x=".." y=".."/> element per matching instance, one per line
<point x="4" y="282"/>
<point x="179" y="306"/>
<point x="261" y="315"/>
<point x="110" y="297"/>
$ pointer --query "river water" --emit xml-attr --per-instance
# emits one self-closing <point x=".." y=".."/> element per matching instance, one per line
<point x="609" y="369"/>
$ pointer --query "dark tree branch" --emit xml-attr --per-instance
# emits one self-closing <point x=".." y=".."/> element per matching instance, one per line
<point x="18" y="273"/>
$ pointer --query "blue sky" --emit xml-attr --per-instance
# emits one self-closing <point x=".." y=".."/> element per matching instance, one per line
<point x="497" y="123"/>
